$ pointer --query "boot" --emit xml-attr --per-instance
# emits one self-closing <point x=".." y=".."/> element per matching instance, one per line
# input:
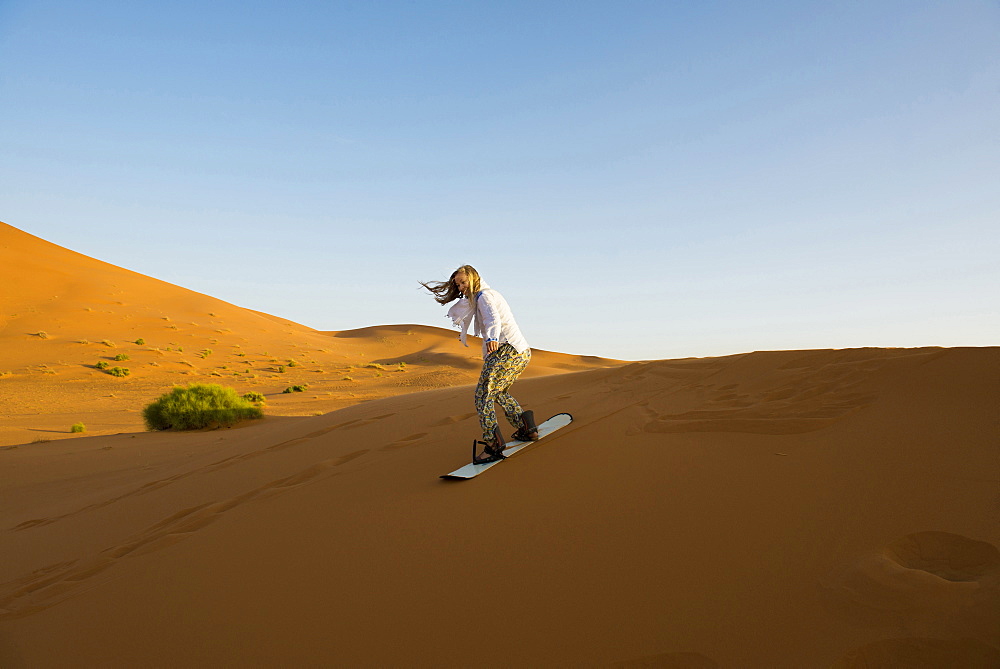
<point x="492" y="449"/>
<point x="528" y="430"/>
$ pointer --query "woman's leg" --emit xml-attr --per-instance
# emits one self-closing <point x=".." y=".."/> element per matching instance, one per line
<point x="499" y="371"/>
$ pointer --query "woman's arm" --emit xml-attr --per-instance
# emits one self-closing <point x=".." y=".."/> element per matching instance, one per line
<point x="491" y="321"/>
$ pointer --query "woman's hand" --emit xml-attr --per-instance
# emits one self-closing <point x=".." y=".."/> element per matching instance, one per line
<point x="492" y="346"/>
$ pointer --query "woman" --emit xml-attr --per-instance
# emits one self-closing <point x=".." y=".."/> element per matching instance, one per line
<point x="505" y="354"/>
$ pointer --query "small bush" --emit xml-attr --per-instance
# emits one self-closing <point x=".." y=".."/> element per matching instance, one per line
<point x="347" y="378"/>
<point x="254" y="396"/>
<point x="197" y="406"/>
<point x="292" y="363"/>
<point x="78" y="427"/>
<point x="121" y="357"/>
<point x="41" y="334"/>
<point x="402" y="366"/>
<point x="281" y="369"/>
<point x="108" y="343"/>
<point x="204" y="353"/>
<point x="295" y="389"/>
<point x="119" y="371"/>
<point x="140" y="341"/>
<point x="374" y="365"/>
<point x="102" y="365"/>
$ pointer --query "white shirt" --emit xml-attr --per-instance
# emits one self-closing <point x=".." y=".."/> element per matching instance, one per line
<point x="496" y="321"/>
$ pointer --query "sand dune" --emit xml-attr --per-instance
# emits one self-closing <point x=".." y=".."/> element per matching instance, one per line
<point x="772" y="509"/>
<point x="62" y="312"/>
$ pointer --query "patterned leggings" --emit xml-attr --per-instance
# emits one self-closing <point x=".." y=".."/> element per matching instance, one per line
<point x="500" y="370"/>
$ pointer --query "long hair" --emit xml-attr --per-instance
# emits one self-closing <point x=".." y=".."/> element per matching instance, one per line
<point x="446" y="291"/>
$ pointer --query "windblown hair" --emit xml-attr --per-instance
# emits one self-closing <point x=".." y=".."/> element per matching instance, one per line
<point x="446" y="291"/>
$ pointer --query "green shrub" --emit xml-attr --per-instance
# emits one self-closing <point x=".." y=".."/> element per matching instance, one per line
<point x="204" y="353"/>
<point x="281" y="369"/>
<point x="102" y="365"/>
<point x="374" y="365"/>
<point x="253" y="396"/>
<point x="292" y="363"/>
<point x="121" y="357"/>
<point x="118" y="371"/>
<point x="198" y="405"/>
<point x="295" y="389"/>
<point x="140" y="341"/>
<point x="78" y="427"/>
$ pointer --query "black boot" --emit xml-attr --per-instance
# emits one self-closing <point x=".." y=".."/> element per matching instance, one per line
<point x="528" y="430"/>
<point x="492" y="449"/>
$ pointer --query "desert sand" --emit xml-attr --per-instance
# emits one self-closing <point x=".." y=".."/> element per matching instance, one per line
<point x="770" y="509"/>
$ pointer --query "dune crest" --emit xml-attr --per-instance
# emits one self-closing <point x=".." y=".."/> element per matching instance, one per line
<point x="63" y="313"/>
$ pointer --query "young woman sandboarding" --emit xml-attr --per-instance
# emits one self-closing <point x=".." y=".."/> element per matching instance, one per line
<point x="505" y="355"/>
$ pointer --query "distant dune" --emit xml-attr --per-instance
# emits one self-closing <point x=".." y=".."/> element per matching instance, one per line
<point x="829" y="508"/>
<point x="62" y="312"/>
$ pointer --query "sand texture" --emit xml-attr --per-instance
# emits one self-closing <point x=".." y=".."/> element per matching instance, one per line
<point x="829" y="508"/>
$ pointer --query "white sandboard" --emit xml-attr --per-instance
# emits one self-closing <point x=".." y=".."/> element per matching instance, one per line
<point x="548" y="427"/>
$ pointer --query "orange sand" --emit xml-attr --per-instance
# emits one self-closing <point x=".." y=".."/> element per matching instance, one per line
<point x="773" y="509"/>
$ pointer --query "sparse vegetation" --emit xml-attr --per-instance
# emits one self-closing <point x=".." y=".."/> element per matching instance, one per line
<point x="347" y="378"/>
<point x="42" y="334"/>
<point x="41" y="440"/>
<point x="292" y="363"/>
<point x="402" y="366"/>
<point x="121" y="357"/>
<point x="108" y="343"/>
<point x="119" y="371"/>
<point x="374" y="365"/>
<point x="198" y="406"/>
<point x="78" y="427"/>
<point x="205" y="352"/>
<point x="103" y="364"/>
<point x="281" y="369"/>
<point x="295" y="389"/>
<point x="83" y="341"/>
<point x="140" y="341"/>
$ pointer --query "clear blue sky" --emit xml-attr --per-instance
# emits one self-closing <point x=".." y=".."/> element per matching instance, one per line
<point x="647" y="179"/>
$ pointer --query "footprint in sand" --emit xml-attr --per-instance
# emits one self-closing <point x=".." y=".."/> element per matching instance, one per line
<point x="453" y="419"/>
<point x="927" y="582"/>
<point x="404" y="442"/>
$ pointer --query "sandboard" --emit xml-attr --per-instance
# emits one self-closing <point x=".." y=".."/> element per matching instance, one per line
<point x="548" y="427"/>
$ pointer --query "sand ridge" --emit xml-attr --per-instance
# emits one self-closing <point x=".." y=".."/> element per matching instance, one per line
<point x="62" y="313"/>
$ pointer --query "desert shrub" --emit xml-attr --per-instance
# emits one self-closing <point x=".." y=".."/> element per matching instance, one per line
<point x="347" y="378"/>
<point x="292" y="363"/>
<point x="253" y="396"/>
<point x="140" y="341"/>
<point x="281" y="369"/>
<point x="204" y="353"/>
<point x="295" y="389"/>
<point x="374" y="365"/>
<point x="121" y="357"/>
<point x="402" y="366"/>
<point x="42" y="334"/>
<point x="118" y="371"/>
<point x="108" y="343"/>
<point x="198" y="405"/>
<point x="78" y="427"/>
<point x="102" y="365"/>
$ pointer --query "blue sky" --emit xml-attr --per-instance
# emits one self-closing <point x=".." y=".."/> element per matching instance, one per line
<point x="640" y="179"/>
